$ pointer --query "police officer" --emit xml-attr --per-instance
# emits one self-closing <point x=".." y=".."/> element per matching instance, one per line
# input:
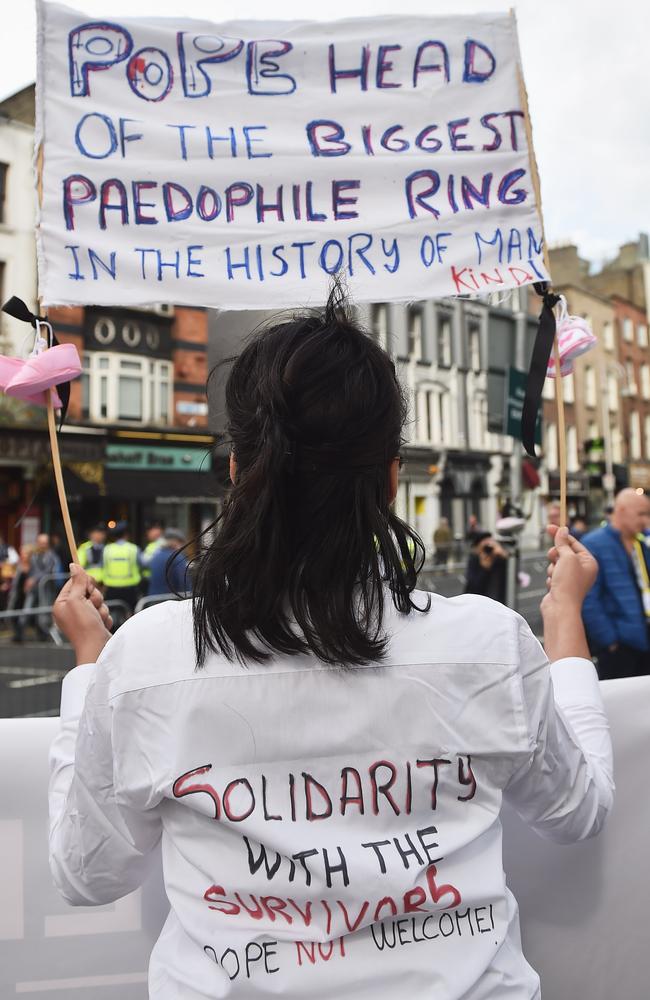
<point x="122" y="567"/>
<point x="91" y="552"/>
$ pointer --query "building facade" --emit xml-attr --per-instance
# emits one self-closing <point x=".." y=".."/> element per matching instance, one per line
<point x="135" y="444"/>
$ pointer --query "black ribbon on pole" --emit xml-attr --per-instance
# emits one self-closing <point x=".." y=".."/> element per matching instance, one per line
<point x="19" y="310"/>
<point x="538" y="365"/>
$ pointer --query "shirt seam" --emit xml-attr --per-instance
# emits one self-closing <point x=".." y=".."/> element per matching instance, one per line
<point x="309" y="670"/>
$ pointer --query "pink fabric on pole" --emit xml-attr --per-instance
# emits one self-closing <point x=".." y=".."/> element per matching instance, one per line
<point x="9" y="368"/>
<point x="574" y="338"/>
<point x="44" y="371"/>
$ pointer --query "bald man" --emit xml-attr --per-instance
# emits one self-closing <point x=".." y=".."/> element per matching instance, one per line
<point x="616" y="611"/>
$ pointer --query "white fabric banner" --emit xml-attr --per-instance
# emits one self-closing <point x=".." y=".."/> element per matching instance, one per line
<point x="240" y="165"/>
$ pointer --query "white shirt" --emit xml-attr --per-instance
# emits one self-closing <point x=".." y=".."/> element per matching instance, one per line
<point x="327" y="833"/>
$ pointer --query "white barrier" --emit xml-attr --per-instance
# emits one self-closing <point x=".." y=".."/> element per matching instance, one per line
<point x="583" y="907"/>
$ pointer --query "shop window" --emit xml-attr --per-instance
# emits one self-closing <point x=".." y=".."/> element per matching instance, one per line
<point x="118" y="388"/>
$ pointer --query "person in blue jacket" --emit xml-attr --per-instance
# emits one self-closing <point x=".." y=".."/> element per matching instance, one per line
<point x="616" y="611"/>
<point x="168" y="566"/>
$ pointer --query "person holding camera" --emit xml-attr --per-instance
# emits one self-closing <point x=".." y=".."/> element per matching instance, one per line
<point x="486" y="567"/>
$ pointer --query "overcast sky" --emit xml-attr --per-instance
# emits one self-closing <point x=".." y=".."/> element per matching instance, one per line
<point x="586" y="64"/>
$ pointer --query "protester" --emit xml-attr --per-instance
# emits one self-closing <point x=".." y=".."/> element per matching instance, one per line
<point x="91" y="552"/>
<point x="442" y="541"/>
<point x="617" y="609"/>
<point x="169" y="569"/>
<point x="8" y="562"/>
<point x="353" y="737"/>
<point x="122" y="567"/>
<point x="41" y="585"/>
<point x="154" y="541"/>
<point x="486" y="568"/>
<point x="579" y="527"/>
<point x="18" y="592"/>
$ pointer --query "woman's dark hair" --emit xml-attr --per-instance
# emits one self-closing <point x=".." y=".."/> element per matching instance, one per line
<point x="307" y="541"/>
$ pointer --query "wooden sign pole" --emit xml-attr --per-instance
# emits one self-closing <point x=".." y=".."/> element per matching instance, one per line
<point x="559" y="388"/>
<point x="51" y="420"/>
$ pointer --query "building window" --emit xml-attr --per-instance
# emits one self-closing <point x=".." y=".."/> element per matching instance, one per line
<point x="628" y="329"/>
<point x="4" y="170"/>
<point x="548" y="391"/>
<point x="645" y="382"/>
<point x="635" y="434"/>
<point x="608" y="336"/>
<point x="617" y="443"/>
<point x="590" y="386"/>
<point x="118" y="388"/>
<point x="415" y="333"/>
<point x="444" y="340"/>
<point x="642" y="335"/>
<point x="572" y="449"/>
<point x="379" y="323"/>
<point x="567" y="384"/>
<point x="630" y="376"/>
<point x="105" y="331"/>
<point x="131" y="334"/>
<point x="646" y="432"/>
<point x="474" y="345"/>
<point x="551" y="446"/>
<point x="612" y="392"/>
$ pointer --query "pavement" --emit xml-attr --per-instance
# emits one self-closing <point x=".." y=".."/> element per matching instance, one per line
<point x="31" y="673"/>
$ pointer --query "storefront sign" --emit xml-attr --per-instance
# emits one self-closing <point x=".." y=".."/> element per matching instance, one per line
<point x="133" y="456"/>
<point x="516" y="393"/>
<point x="246" y="163"/>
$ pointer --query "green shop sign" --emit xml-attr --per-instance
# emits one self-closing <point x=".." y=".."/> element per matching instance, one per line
<point x="135" y="456"/>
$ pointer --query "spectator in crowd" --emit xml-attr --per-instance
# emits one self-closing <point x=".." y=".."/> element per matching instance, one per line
<point x="60" y="548"/>
<point x="8" y="562"/>
<point x="442" y="541"/>
<point x="154" y="535"/>
<point x="91" y="552"/>
<point x="18" y="593"/>
<point x="616" y="611"/>
<point x="122" y="564"/>
<point x="40" y="586"/>
<point x="579" y="527"/>
<point x="472" y="527"/>
<point x="486" y="568"/>
<point x="553" y="514"/>
<point x="169" y="569"/>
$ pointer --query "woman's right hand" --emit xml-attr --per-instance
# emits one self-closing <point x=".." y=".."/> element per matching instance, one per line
<point x="572" y="572"/>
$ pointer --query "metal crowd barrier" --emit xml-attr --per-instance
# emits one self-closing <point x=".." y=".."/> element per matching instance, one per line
<point x="120" y="608"/>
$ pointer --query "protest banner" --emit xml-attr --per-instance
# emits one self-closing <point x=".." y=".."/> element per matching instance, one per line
<point x="240" y="165"/>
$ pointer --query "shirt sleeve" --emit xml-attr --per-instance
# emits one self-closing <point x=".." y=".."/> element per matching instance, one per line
<point x="99" y="845"/>
<point x="565" y="788"/>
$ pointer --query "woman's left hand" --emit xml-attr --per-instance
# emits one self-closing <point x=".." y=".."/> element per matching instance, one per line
<point x="80" y="613"/>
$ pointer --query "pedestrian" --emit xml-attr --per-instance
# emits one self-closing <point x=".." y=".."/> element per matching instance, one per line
<point x="310" y="718"/>
<point x="122" y="568"/>
<point x="486" y="567"/>
<point x="442" y="542"/>
<point x="579" y="527"/>
<point x="18" y="593"/>
<point x="8" y="561"/>
<point x="91" y="552"/>
<point x="41" y="585"/>
<point x="169" y="568"/>
<point x="155" y="539"/>
<point x="617" y="609"/>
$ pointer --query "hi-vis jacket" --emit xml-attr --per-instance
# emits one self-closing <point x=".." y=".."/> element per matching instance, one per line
<point x="327" y="833"/>
<point x="121" y="564"/>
